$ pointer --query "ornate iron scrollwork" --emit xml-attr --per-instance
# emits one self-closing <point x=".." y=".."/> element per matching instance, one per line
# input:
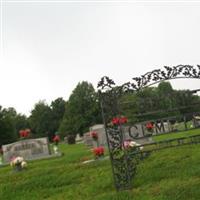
<point x="123" y="161"/>
<point x="153" y="77"/>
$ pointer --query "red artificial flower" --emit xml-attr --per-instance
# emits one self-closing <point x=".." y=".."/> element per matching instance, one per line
<point x="119" y="120"/>
<point x="21" y="133"/>
<point x="24" y="133"/>
<point x="123" y="120"/>
<point x="56" y="138"/>
<point x="98" y="151"/>
<point x="94" y="135"/>
<point x="149" y="126"/>
<point x="115" y="121"/>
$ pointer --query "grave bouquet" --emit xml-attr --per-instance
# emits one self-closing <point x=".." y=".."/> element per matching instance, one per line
<point x="56" y="141"/>
<point x="134" y="149"/>
<point x="24" y="133"/>
<point x="149" y="126"/>
<point x="94" y="135"/>
<point x="18" y="163"/>
<point x="98" y="152"/>
<point x="116" y="121"/>
<point x="130" y="145"/>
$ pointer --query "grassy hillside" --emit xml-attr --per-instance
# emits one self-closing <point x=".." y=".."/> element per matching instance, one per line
<point x="176" y="135"/>
<point x="170" y="174"/>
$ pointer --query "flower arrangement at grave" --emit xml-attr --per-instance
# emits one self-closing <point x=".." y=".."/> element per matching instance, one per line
<point x="134" y="149"/>
<point x="18" y="163"/>
<point x="94" y="135"/>
<point x="24" y="133"/>
<point x="130" y="145"/>
<point x="98" y="152"/>
<point x="149" y="126"/>
<point x="56" y="140"/>
<point x="116" y="121"/>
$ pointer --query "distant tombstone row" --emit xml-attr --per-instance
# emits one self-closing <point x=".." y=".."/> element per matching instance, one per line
<point x="142" y="133"/>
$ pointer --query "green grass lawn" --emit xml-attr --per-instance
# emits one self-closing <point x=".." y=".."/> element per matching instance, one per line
<point x="176" y="135"/>
<point x="169" y="174"/>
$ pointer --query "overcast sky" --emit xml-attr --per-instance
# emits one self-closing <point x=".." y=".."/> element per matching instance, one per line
<point x="48" y="47"/>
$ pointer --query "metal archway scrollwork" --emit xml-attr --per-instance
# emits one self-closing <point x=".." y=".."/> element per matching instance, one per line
<point x="123" y="162"/>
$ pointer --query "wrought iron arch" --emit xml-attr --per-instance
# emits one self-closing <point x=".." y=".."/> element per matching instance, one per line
<point x="123" y="162"/>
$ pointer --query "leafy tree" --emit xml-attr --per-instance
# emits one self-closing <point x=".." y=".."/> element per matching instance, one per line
<point x="82" y="110"/>
<point x="159" y="102"/>
<point x="40" y="119"/>
<point x="187" y="102"/>
<point x="7" y="126"/>
<point x="21" y="122"/>
<point x="129" y="106"/>
<point x="57" y="112"/>
<point x="166" y="96"/>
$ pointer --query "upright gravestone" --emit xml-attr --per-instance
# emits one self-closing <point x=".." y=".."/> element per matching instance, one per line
<point x="29" y="149"/>
<point x="88" y="139"/>
<point x="101" y="136"/>
<point x="101" y="139"/>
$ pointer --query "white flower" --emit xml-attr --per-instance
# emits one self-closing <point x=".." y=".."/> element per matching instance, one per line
<point x="24" y="164"/>
<point x="55" y="148"/>
<point x="12" y="164"/>
<point x="139" y="145"/>
<point x="132" y="144"/>
<point x="18" y="160"/>
<point x="141" y="148"/>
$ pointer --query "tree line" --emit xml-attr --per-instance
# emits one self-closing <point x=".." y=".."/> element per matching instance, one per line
<point x="159" y="102"/>
<point x="82" y="110"/>
<point x="65" y="117"/>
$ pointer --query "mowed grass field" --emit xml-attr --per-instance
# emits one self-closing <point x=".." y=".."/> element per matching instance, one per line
<point x="174" y="135"/>
<point x="169" y="174"/>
